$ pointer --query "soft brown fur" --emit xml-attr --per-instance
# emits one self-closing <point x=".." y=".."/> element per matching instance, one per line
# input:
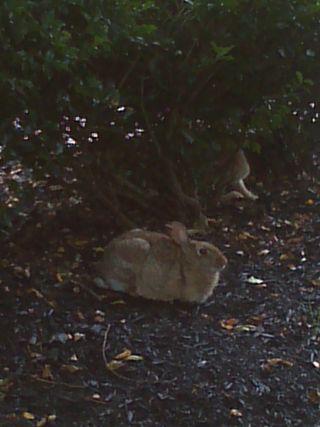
<point x="162" y="267"/>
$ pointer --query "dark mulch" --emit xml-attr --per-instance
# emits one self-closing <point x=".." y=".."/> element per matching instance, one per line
<point x="250" y="356"/>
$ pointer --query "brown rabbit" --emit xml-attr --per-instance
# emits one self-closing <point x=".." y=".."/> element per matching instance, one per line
<point x="162" y="267"/>
<point x="239" y="171"/>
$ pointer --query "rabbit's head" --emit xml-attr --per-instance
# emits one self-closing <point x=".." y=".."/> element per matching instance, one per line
<point x="201" y="263"/>
<point x="209" y="258"/>
<point x="203" y="253"/>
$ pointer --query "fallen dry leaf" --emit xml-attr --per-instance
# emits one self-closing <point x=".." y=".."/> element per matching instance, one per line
<point x="99" y="319"/>
<point x="245" y="328"/>
<point x="70" y="368"/>
<point x="123" y="355"/>
<point x="59" y="277"/>
<point x="79" y="336"/>
<point x="286" y="257"/>
<point x="80" y="243"/>
<point x="22" y="272"/>
<point x="257" y="320"/>
<point x="98" y="249"/>
<point x="274" y="362"/>
<point x="45" y="420"/>
<point x="263" y="252"/>
<point x="235" y="413"/>
<point x="134" y="358"/>
<point x="28" y="415"/>
<point x="127" y="355"/>
<point x="42" y="422"/>
<point x="245" y="235"/>
<point x="314" y="396"/>
<point x="309" y="202"/>
<point x="254" y="280"/>
<point x="229" y="324"/>
<point x="46" y="373"/>
<point x="316" y="282"/>
<point x="114" y="365"/>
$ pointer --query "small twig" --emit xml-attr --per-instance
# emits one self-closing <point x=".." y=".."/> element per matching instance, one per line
<point x="129" y="71"/>
<point x="97" y="401"/>
<point x="185" y="201"/>
<point x="104" y="345"/>
<point x="56" y="383"/>
<point x="73" y="386"/>
<point x="197" y="91"/>
<point x="90" y="291"/>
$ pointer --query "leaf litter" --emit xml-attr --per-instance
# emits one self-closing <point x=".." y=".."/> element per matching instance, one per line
<point x="249" y="356"/>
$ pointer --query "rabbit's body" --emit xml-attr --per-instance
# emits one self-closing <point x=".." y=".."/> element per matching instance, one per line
<point x="161" y="267"/>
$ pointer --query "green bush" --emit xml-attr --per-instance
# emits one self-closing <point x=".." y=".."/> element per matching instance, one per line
<point x="193" y="76"/>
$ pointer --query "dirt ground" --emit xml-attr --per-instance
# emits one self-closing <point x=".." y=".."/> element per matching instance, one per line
<point x="71" y="355"/>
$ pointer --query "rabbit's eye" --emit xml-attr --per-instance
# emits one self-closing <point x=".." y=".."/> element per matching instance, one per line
<point x="203" y="251"/>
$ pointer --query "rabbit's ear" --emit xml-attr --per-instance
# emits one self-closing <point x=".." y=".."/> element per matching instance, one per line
<point x="178" y="232"/>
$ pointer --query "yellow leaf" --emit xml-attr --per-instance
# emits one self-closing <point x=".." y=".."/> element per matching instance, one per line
<point x="114" y="365"/>
<point x="70" y="368"/>
<point x="46" y="373"/>
<point x="59" y="277"/>
<point x="276" y="361"/>
<point x="285" y="257"/>
<point x="98" y="249"/>
<point x="42" y="422"/>
<point x="254" y="280"/>
<point x="235" y="413"/>
<point x="309" y="202"/>
<point x="245" y="328"/>
<point x="124" y="355"/>
<point x="80" y="243"/>
<point x="245" y="235"/>
<point x="134" y="357"/>
<point x="45" y="420"/>
<point x="28" y="416"/>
